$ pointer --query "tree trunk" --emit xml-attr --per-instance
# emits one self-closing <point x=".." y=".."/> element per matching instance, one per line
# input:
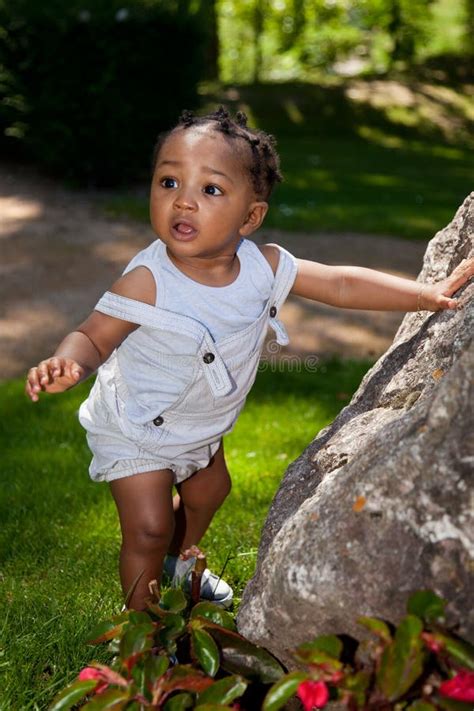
<point x="395" y="29"/>
<point x="212" y="54"/>
<point x="469" y="33"/>
<point x="258" y="30"/>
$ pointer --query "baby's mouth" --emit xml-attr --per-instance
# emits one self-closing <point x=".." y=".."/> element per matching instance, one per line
<point x="183" y="230"/>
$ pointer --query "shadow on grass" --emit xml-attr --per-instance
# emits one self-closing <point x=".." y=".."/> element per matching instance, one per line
<point x="382" y="157"/>
<point x="323" y="110"/>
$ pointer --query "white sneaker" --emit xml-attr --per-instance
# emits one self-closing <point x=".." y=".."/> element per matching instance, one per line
<point x="213" y="588"/>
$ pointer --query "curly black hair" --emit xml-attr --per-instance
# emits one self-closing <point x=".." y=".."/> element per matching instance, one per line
<point x="258" y="153"/>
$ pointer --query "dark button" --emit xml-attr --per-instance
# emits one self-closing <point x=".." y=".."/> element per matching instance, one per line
<point x="158" y="421"/>
<point x="208" y="357"/>
<point x="273" y="311"/>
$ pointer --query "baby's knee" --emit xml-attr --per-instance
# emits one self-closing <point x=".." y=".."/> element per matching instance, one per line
<point x="208" y="498"/>
<point x="148" y="535"/>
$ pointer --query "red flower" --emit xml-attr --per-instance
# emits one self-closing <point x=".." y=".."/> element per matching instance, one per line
<point x="460" y="687"/>
<point x="90" y="673"/>
<point x="313" y="694"/>
<point x="433" y="644"/>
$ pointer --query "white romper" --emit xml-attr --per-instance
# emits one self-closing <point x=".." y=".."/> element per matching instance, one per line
<point x="176" y="385"/>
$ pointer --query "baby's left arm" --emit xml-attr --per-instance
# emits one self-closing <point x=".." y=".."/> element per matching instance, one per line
<point x="362" y="288"/>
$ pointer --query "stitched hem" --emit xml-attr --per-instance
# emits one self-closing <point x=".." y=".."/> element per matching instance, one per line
<point x="132" y="469"/>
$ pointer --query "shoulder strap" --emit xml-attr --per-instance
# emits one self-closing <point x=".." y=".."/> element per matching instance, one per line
<point x="284" y="279"/>
<point x="143" y="314"/>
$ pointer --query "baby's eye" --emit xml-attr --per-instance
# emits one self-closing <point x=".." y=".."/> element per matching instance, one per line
<point x="213" y="190"/>
<point x="168" y="182"/>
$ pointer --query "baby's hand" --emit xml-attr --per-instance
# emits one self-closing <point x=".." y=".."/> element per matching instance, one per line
<point x="434" y="297"/>
<point x="53" y="375"/>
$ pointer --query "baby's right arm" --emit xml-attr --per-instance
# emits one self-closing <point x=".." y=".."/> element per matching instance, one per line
<point x="83" y="350"/>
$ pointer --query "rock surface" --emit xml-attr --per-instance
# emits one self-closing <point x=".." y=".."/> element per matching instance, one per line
<point x="378" y="504"/>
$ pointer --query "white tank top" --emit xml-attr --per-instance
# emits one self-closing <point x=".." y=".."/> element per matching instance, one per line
<point x="223" y="310"/>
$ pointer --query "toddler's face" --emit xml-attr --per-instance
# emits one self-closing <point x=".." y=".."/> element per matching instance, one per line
<point x="202" y="201"/>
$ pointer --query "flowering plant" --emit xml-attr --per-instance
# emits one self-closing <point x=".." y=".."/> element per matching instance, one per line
<point x="216" y="664"/>
<point x="417" y="666"/>
<point x="178" y="656"/>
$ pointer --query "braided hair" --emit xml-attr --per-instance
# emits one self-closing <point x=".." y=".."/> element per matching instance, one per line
<point x="257" y="148"/>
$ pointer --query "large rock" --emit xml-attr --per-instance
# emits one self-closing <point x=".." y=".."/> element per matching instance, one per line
<point x="378" y="504"/>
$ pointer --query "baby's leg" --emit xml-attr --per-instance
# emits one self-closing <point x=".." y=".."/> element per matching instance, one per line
<point x="197" y="500"/>
<point x="145" y="507"/>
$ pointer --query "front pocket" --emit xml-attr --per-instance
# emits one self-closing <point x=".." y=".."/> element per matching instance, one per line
<point x="243" y="376"/>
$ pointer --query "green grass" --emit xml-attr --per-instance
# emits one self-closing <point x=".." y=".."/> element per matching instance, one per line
<point x="400" y="167"/>
<point x="59" y="537"/>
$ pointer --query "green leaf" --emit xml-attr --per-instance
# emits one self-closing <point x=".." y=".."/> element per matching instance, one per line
<point x="173" y="600"/>
<point x="328" y="643"/>
<point x="137" y="617"/>
<point x="136" y="640"/>
<point x="109" y="629"/>
<point x="283" y="690"/>
<point x="223" y="691"/>
<point x="214" y="613"/>
<point x="458" y="650"/>
<point x="427" y="605"/>
<point x="318" y="658"/>
<point x="213" y="707"/>
<point x="402" y="661"/>
<point x="171" y="627"/>
<point x="378" y="627"/>
<point x="112" y="700"/>
<point x="180" y="702"/>
<point x="240" y="656"/>
<point x="73" y="693"/>
<point x="452" y="704"/>
<point x="205" y="651"/>
<point x="139" y="677"/>
<point x="420" y="705"/>
<point x="357" y="684"/>
<point x="155" y="667"/>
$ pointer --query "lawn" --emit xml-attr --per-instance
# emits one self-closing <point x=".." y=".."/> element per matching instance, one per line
<point x="59" y="537"/>
<point x="377" y="156"/>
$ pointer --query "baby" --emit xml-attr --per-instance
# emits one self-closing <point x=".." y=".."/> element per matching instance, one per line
<point x="176" y="341"/>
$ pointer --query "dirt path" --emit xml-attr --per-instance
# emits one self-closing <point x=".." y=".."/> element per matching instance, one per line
<point x="59" y="252"/>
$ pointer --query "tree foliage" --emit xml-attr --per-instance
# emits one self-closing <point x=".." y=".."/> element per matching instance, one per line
<point x="86" y="87"/>
<point x="286" y="39"/>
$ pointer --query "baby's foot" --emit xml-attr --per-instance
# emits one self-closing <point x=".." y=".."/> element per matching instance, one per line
<point x="213" y="588"/>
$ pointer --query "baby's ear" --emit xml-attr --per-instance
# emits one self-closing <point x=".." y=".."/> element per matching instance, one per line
<point x="255" y="217"/>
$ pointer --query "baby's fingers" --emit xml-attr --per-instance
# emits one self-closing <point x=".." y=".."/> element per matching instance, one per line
<point x="463" y="272"/>
<point x="33" y="386"/>
<point x="73" y="371"/>
<point x="56" y="367"/>
<point x="45" y="372"/>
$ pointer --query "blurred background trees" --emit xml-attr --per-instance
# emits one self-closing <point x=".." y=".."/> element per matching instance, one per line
<point x="78" y="80"/>
<point x="294" y="39"/>
<point x="85" y="87"/>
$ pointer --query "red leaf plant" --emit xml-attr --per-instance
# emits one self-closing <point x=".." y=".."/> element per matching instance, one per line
<point x="90" y="673"/>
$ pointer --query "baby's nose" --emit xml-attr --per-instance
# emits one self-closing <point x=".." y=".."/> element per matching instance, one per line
<point x="184" y="200"/>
